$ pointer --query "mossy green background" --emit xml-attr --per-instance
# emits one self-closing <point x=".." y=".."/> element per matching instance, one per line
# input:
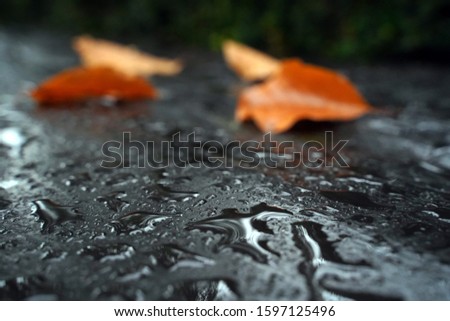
<point x="344" y="30"/>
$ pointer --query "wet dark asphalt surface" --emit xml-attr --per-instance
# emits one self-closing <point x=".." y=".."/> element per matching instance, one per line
<point x="70" y="229"/>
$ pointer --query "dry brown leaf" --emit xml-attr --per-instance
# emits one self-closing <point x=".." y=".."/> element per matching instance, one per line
<point x="248" y="63"/>
<point x="79" y="84"/>
<point x="298" y="92"/>
<point x="96" y="52"/>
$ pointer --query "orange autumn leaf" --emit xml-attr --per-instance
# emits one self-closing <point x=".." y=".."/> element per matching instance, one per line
<point x="297" y="92"/>
<point x="79" y="84"/>
<point x="96" y="52"/>
<point x="248" y="63"/>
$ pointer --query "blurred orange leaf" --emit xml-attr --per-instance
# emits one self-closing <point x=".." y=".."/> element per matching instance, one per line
<point x="96" y="52"/>
<point x="79" y="84"/>
<point x="297" y="92"/>
<point x="248" y="63"/>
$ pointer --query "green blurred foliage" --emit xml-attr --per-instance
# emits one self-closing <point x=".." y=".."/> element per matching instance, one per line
<point x="339" y="29"/>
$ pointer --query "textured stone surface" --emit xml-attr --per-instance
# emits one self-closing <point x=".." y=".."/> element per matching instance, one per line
<point x="379" y="229"/>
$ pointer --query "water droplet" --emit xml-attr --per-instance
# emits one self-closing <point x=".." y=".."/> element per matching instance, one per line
<point x="53" y="255"/>
<point x="77" y="179"/>
<point x="244" y="232"/>
<point x="138" y="221"/>
<point x="4" y="199"/>
<point x="318" y="251"/>
<point x="52" y="213"/>
<point x="8" y="244"/>
<point x="438" y="160"/>
<point x="200" y="203"/>
<point x="21" y="287"/>
<point x="441" y="212"/>
<point x="9" y="183"/>
<point x="121" y="179"/>
<point x="203" y="290"/>
<point x="134" y="276"/>
<point x="114" y="201"/>
<point x="14" y="139"/>
<point x="360" y="295"/>
<point x="417" y="228"/>
<point x="366" y="219"/>
<point x="174" y="257"/>
<point x="107" y="253"/>
<point x="359" y="180"/>
<point x="165" y="193"/>
<point x="314" y="242"/>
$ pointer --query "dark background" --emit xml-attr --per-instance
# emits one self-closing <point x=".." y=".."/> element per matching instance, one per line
<point x="339" y="30"/>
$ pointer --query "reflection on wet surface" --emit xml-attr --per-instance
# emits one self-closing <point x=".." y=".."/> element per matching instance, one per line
<point x="244" y="232"/>
<point x="52" y="214"/>
<point x="71" y="229"/>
